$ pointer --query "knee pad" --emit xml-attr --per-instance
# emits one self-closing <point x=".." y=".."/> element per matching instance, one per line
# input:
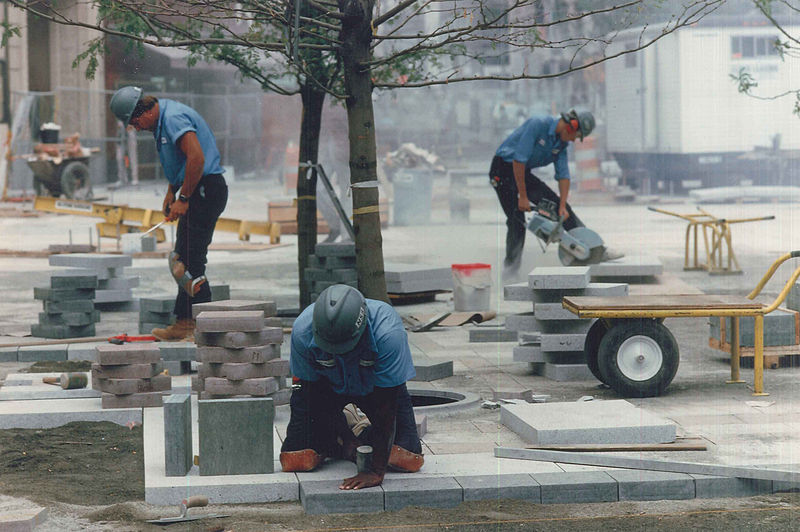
<point x="305" y="460"/>
<point x="405" y="461"/>
<point x="184" y="279"/>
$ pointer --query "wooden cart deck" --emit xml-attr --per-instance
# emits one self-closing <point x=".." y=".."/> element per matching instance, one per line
<point x="661" y="306"/>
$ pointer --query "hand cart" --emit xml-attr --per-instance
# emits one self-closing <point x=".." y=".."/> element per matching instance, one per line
<point x="629" y="348"/>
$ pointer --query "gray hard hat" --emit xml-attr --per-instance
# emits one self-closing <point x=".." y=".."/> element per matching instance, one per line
<point x="585" y="121"/>
<point x="339" y="319"/>
<point x="124" y="101"/>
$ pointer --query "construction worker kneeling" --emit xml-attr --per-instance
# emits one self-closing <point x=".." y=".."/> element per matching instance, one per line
<point x="351" y="355"/>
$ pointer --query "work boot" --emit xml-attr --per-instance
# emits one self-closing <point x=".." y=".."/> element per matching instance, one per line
<point x="611" y="254"/>
<point x="305" y="460"/>
<point x="183" y="329"/>
<point x="405" y="461"/>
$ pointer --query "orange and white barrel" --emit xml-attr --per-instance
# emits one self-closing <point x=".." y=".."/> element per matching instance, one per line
<point x="290" y="161"/>
<point x="588" y="165"/>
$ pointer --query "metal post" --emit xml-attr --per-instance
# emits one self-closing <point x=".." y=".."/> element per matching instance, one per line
<point x="758" y="362"/>
<point x="735" y="349"/>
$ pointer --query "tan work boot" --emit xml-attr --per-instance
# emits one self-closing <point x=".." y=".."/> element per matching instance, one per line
<point x="183" y="329"/>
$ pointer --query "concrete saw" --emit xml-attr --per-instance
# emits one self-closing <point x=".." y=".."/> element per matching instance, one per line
<point x="577" y="247"/>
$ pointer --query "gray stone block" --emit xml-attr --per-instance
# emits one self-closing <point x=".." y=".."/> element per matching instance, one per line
<point x="73" y="305"/>
<point x="576" y="487"/>
<point x="333" y="249"/>
<point x="528" y="353"/>
<point x="615" y="421"/>
<point x="431" y="370"/>
<point x="83" y="351"/>
<point x="566" y="372"/>
<point x="422" y="424"/>
<point x="325" y="497"/>
<point x="562" y="342"/>
<point x="552" y="311"/>
<point x="626" y="267"/>
<point x="559" y="277"/>
<point x="518" y="292"/>
<point x="711" y="487"/>
<point x="400" y="272"/>
<point x="119" y="283"/>
<point x="641" y="485"/>
<point x="236" y="436"/>
<point x="62" y="294"/>
<point x="73" y="279"/>
<point x="93" y="261"/>
<point x="165" y="303"/>
<point x="269" y="308"/>
<point x="113" y="296"/>
<point x="521" y="322"/>
<point x="220" y="292"/>
<point x="131" y="353"/>
<point x="216" y="321"/>
<point x="563" y="327"/>
<point x="164" y="318"/>
<point x="424" y="285"/>
<point x="238" y="339"/>
<point x="178" y="456"/>
<point x="515" y="486"/>
<point x="437" y="492"/>
<point x="72" y="319"/>
<point x="780" y="328"/>
<point x="491" y="334"/>
<point x="177" y="350"/>
<point x="36" y="353"/>
<point x="8" y="354"/>
<point x="254" y="354"/>
<point x="564" y="357"/>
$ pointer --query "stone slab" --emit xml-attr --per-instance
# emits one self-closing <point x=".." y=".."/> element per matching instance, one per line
<point x="113" y="296"/>
<point x="711" y="487"/>
<point x="62" y="331"/>
<point x="220" y="292"/>
<point x="238" y="339"/>
<point x="130" y="353"/>
<point x="21" y="517"/>
<point x="159" y="383"/>
<point x="93" y="261"/>
<point x="133" y="400"/>
<point x="253" y="354"/>
<point x="118" y="283"/>
<point x="399" y="272"/>
<point x="524" y="321"/>
<point x="220" y="321"/>
<point x="178" y="456"/>
<point x="615" y="421"/>
<point x="518" y="292"/>
<point x="269" y="308"/>
<point x="491" y="334"/>
<point x="439" y="492"/>
<point x="171" y="351"/>
<point x="72" y="279"/>
<point x="125" y="371"/>
<point x="50" y="413"/>
<point x="72" y="305"/>
<point x="483" y="487"/>
<point x="165" y="303"/>
<point x="628" y="266"/>
<point x="83" y="351"/>
<point x="576" y="487"/>
<point x="640" y="485"/>
<point x="36" y="353"/>
<point x="558" y="277"/>
<point x="29" y="387"/>
<point x="8" y="354"/>
<point x="431" y="370"/>
<point x="592" y="289"/>
<point x="528" y="353"/>
<point x="562" y="341"/>
<point x="552" y="311"/>
<point x="325" y="497"/>
<point x="236" y="436"/>
<point x="222" y="386"/>
<point x="333" y="249"/>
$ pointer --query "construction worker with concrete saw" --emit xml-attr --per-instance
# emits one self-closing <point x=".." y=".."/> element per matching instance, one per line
<point x="539" y="141"/>
<point x="196" y="195"/>
<point x="348" y="350"/>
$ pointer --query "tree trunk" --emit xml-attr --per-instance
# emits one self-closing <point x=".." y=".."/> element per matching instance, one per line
<point x="310" y="124"/>
<point x="356" y="36"/>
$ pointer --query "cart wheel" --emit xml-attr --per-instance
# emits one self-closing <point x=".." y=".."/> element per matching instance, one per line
<point x="592" y="345"/>
<point x="75" y="181"/>
<point x="639" y="357"/>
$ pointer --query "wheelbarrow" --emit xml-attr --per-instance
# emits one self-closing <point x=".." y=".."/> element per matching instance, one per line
<point x="54" y="176"/>
<point x="631" y="350"/>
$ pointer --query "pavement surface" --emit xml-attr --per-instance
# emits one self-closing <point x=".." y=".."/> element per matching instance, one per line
<point x="740" y="429"/>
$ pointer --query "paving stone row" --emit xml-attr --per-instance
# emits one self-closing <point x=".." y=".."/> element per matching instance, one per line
<point x="551" y="338"/>
<point x="332" y="263"/>
<point x="129" y="375"/>
<point x="237" y="355"/>
<point x="68" y="304"/>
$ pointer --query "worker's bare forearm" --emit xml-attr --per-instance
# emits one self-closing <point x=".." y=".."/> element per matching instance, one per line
<point x="519" y="179"/>
<point x="563" y="192"/>
<point x="380" y="408"/>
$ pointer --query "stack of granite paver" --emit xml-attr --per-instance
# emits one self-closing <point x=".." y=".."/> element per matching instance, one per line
<point x="128" y="375"/>
<point x="415" y="278"/>
<point x="332" y="263"/>
<point x="551" y="338"/>
<point x="68" y="305"/>
<point x="239" y="356"/>
<point x="113" y="287"/>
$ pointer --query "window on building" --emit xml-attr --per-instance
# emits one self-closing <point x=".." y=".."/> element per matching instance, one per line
<point x="749" y="47"/>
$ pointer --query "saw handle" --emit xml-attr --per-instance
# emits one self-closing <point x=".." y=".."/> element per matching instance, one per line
<point x="195" y="501"/>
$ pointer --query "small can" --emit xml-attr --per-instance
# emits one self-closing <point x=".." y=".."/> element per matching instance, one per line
<point x="364" y="458"/>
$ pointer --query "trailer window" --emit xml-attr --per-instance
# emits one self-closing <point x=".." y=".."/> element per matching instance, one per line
<point x="748" y="46"/>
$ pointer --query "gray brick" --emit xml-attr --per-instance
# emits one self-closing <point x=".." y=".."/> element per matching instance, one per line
<point x="528" y="353"/>
<point x="259" y="387"/>
<point x="62" y="294"/>
<point x="177" y="351"/>
<point x="71" y="319"/>
<point x="431" y="370"/>
<point x="517" y="292"/>
<point x="438" y="492"/>
<point x="134" y="400"/>
<point x="332" y="249"/>
<point x="268" y="335"/>
<point x="779" y="328"/>
<point x="281" y="397"/>
<point x="557" y="277"/>
<point x="178" y="435"/>
<point x="119" y="283"/>
<point x="562" y="342"/>
<point x="521" y="322"/>
<point x="126" y="371"/>
<point x="215" y="321"/>
<point x="93" y="261"/>
<point x="8" y="354"/>
<point x="566" y="372"/>
<point x="516" y="486"/>
<point x="491" y="334"/>
<point x="220" y="292"/>
<point x="422" y="424"/>
<point x="73" y="305"/>
<point x="268" y="307"/>
<point x="640" y="485"/>
<point x="36" y="353"/>
<point x="711" y="487"/>
<point x="254" y="354"/>
<point x="165" y="303"/>
<point x="69" y="279"/>
<point x="793" y="299"/>
<point x="552" y="311"/>
<point x="159" y="383"/>
<point x="402" y="272"/>
<point x="132" y="353"/>
<point x="627" y="267"/>
<point x="236" y="436"/>
<point x="576" y="487"/>
<point x="113" y="296"/>
<point x="83" y="351"/>
<point x="325" y="497"/>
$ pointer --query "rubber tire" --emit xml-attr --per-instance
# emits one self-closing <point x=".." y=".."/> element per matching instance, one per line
<point x="609" y="348"/>
<point x="591" y="346"/>
<point x="76" y="182"/>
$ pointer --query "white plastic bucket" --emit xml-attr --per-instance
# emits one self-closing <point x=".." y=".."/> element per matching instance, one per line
<point x="472" y="286"/>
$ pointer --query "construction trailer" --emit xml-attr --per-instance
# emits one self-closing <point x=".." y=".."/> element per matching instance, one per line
<point x="677" y="121"/>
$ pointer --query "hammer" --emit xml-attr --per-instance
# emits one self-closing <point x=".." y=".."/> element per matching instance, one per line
<point x="68" y="381"/>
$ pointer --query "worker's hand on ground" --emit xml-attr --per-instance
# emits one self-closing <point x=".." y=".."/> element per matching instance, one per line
<point x="563" y="213"/>
<point x="177" y="209"/>
<point x="362" y="480"/>
<point x="524" y="204"/>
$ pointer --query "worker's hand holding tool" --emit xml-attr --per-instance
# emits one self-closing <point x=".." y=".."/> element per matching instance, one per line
<point x="563" y="213"/>
<point x="523" y="203"/>
<point x="169" y="199"/>
<point x="176" y="210"/>
<point x="362" y="480"/>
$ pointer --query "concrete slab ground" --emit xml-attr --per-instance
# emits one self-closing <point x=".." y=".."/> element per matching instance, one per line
<point x="739" y="429"/>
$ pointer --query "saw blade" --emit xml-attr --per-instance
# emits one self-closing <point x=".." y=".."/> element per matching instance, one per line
<point x="595" y="255"/>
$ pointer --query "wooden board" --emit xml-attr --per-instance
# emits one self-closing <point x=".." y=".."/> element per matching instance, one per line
<point x="661" y="302"/>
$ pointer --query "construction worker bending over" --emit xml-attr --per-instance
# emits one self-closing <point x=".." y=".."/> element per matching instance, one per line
<point x="539" y="141"/>
<point x="347" y="349"/>
<point x="196" y="195"/>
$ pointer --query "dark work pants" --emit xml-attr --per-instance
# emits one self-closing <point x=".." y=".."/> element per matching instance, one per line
<point x="501" y="177"/>
<point x="304" y="432"/>
<point x="195" y="231"/>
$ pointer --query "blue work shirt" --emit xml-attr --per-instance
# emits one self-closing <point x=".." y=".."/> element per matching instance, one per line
<point x="175" y="119"/>
<point x="535" y="143"/>
<point x="384" y="342"/>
